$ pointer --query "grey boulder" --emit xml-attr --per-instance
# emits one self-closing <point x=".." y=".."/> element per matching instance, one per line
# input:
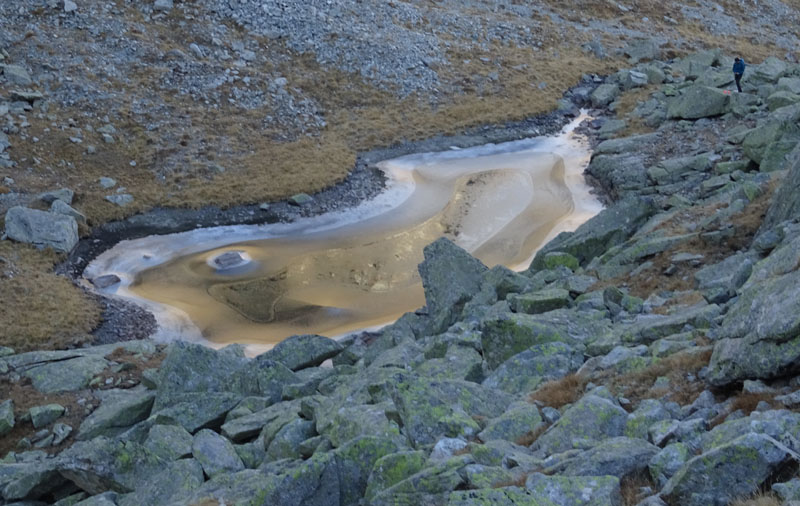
<point x="42" y="229"/>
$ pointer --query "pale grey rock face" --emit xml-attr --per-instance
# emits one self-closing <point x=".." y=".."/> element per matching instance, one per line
<point x="42" y="229"/>
<point x="699" y="102"/>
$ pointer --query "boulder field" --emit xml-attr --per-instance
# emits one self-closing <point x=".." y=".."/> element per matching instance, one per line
<point x="650" y="357"/>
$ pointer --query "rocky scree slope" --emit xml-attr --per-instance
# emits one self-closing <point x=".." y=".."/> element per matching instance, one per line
<point x="650" y="357"/>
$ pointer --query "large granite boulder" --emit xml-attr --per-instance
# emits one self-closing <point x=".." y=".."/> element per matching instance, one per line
<point x="617" y="456"/>
<point x="42" y="229"/>
<point x="523" y="372"/>
<point x="450" y="277"/>
<point x="612" y="226"/>
<point x="430" y="410"/>
<point x="507" y="334"/>
<point x="604" y="95"/>
<point x="215" y="453"/>
<point x="698" y="102"/>
<point x="520" y="419"/>
<point x="736" y="469"/>
<point x="179" y="479"/>
<point x="431" y="485"/>
<point x="586" y="423"/>
<point x="102" y="464"/>
<point x="619" y="173"/>
<point x="192" y="368"/>
<point x="392" y="469"/>
<point x="760" y="333"/>
<point x="574" y="490"/>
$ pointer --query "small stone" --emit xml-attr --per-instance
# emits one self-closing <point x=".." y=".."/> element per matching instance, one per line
<point x="108" y="139"/>
<point x="300" y="199"/>
<point x="64" y="194"/>
<point x="163" y="5"/>
<point x="90" y="150"/>
<point x="196" y="50"/>
<point x="446" y="448"/>
<point x="60" y="207"/>
<point x="122" y="199"/>
<point x="70" y="6"/>
<point x="107" y="182"/>
<point x="103" y="282"/>
<point x="17" y="75"/>
<point x="44" y="442"/>
<point x="61" y="431"/>
<point x="45" y="415"/>
<point x="230" y="259"/>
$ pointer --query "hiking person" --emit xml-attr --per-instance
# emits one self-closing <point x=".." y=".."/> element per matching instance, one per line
<point x="738" y="72"/>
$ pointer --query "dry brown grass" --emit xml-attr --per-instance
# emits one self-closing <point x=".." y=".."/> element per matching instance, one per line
<point x="653" y="278"/>
<point x="752" y="51"/>
<point x="519" y="482"/>
<point x="558" y="393"/>
<point x="38" y="309"/>
<point x="531" y="436"/>
<point x="630" y="487"/>
<point x="759" y="499"/>
<point x="638" y="385"/>
<point x="747" y="403"/>
<point x="24" y="397"/>
<point x="627" y="103"/>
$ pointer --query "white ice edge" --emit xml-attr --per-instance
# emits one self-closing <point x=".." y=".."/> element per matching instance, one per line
<point x="129" y="257"/>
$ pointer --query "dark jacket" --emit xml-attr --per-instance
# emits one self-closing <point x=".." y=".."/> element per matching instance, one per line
<point x="738" y="67"/>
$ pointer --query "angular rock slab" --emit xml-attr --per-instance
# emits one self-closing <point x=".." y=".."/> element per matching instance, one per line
<point x="302" y="351"/>
<point x="117" y="411"/>
<point x="66" y="375"/>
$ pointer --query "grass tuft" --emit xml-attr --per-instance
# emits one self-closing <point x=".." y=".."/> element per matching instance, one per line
<point x="39" y="309"/>
<point x="558" y="393"/>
